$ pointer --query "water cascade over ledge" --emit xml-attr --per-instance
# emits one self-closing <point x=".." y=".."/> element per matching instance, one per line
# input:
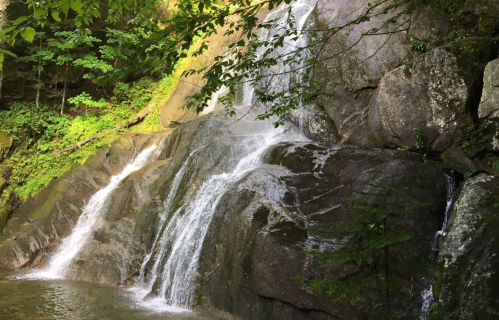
<point x="92" y="212"/>
<point x="169" y="269"/>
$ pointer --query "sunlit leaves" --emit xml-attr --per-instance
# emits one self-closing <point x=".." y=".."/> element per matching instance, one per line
<point x="19" y="20"/>
<point x="28" y="34"/>
<point x="55" y="16"/>
<point x="75" y="5"/>
<point x="7" y="52"/>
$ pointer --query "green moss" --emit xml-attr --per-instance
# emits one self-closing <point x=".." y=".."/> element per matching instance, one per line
<point x="33" y="164"/>
<point x="476" y="197"/>
<point x="470" y="53"/>
<point x="5" y="210"/>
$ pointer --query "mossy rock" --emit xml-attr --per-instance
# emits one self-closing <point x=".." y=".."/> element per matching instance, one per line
<point x="256" y="242"/>
<point x="469" y="253"/>
<point x="40" y="222"/>
<point x="423" y="104"/>
<point x="6" y="142"/>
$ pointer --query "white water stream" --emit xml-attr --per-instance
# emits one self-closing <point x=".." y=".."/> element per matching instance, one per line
<point x="427" y="294"/>
<point x="179" y="246"/>
<point x="92" y="212"/>
<point x="170" y="267"/>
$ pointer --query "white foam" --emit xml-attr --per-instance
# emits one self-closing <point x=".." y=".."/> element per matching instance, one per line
<point x="155" y="304"/>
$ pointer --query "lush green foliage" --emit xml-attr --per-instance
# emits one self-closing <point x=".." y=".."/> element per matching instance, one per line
<point x="41" y="131"/>
<point x="244" y="60"/>
<point x="473" y="136"/>
<point x="144" y="46"/>
<point x="370" y="248"/>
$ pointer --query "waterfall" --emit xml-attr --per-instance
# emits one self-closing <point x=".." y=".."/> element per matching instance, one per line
<point x="427" y="294"/>
<point x="170" y="268"/>
<point x="176" y="261"/>
<point x="164" y="215"/>
<point x="92" y="212"/>
<point x="300" y="10"/>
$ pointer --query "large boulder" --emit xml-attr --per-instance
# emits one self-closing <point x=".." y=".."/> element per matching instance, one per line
<point x="425" y="102"/>
<point x="256" y="243"/>
<point x="489" y="104"/>
<point x="353" y="64"/>
<point x="469" y="251"/>
<point x="483" y="7"/>
<point x="488" y="110"/>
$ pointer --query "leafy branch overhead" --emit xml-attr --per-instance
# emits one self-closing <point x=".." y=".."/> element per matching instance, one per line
<point x="253" y="61"/>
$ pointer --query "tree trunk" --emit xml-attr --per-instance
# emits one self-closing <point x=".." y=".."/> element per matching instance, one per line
<point x="64" y="90"/>
<point x="3" y="18"/>
<point x="38" y="85"/>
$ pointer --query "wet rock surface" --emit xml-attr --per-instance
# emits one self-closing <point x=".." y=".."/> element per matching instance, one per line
<point x="467" y="287"/>
<point x="256" y="241"/>
<point x="39" y="224"/>
<point x="125" y="234"/>
<point x="489" y="105"/>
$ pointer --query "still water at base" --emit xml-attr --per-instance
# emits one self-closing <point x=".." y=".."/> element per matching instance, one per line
<point x="63" y="299"/>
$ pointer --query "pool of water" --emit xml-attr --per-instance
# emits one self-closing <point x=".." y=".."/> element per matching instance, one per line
<point x="22" y="298"/>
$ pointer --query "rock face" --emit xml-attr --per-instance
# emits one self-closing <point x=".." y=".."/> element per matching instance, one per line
<point x="116" y="249"/>
<point x="484" y="7"/>
<point x="457" y="160"/>
<point x="489" y="105"/>
<point x="467" y="287"/>
<point x="38" y="225"/>
<point x="433" y="95"/>
<point x="256" y="241"/>
<point x="353" y="64"/>
<point x="6" y="142"/>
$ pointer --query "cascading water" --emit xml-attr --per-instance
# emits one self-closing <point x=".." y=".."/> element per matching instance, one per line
<point x="166" y="210"/>
<point x="300" y="10"/>
<point x="91" y="213"/>
<point x="179" y="246"/>
<point x="170" y="267"/>
<point x="427" y="294"/>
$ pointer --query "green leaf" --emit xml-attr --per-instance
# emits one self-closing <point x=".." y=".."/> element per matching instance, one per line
<point x="5" y="31"/>
<point x="64" y="8"/>
<point x="12" y="38"/>
<point x="75" y="5"/>
<point x="39" y="12"/>
<point x="8" y="52"/>
<point x="28" y="34"/>
<point x="55" y="15"/>
<point x="19" y="20"/>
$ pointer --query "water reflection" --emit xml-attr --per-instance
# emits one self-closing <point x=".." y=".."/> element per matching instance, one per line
<point x="62" y="299"/>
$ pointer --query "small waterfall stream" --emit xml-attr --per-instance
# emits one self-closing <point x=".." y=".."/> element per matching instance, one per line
<point x="91" y="213"/>
<point x="427" y="294"/>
